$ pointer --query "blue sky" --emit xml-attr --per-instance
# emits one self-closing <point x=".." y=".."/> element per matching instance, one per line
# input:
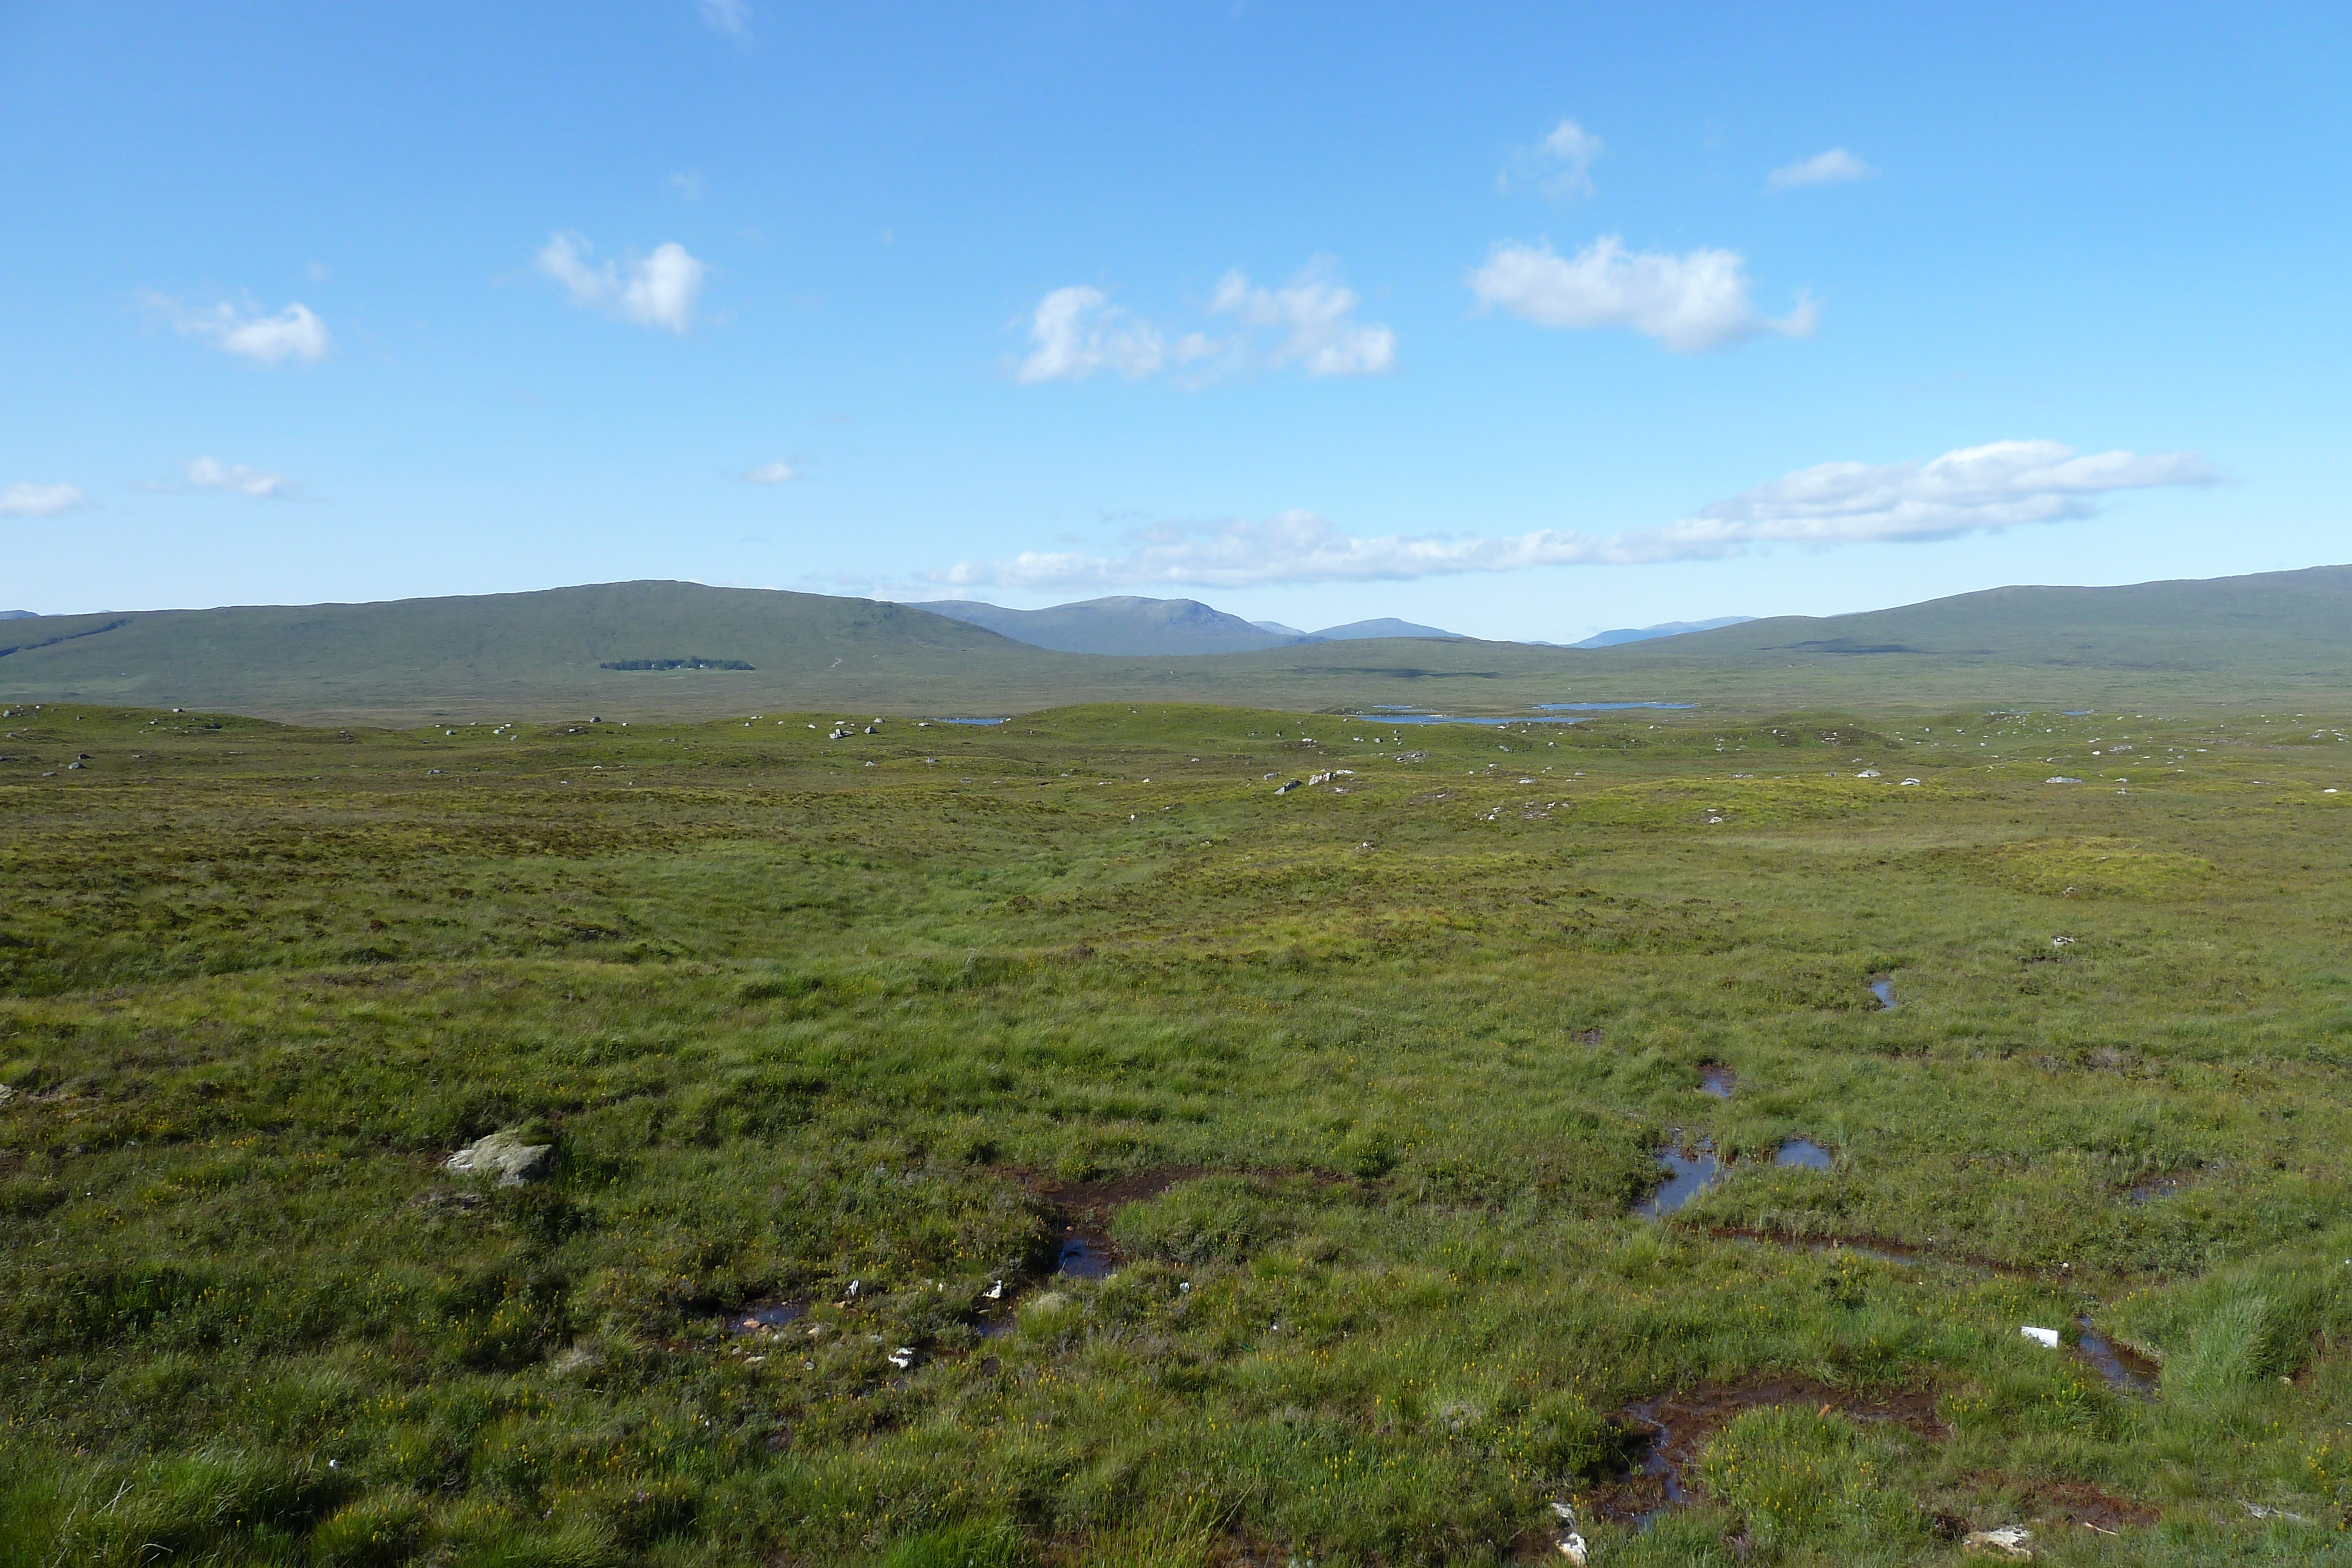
<point x="1525" y="320"/>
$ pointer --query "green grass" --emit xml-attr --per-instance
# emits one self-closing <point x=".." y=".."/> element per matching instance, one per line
<point x="1400" y="1055"/>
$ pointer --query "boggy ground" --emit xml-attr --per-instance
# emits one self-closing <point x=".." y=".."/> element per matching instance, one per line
<point x="1359" y="1082"/>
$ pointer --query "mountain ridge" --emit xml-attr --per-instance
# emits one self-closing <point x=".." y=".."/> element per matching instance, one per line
<point x="2272" y="637"/>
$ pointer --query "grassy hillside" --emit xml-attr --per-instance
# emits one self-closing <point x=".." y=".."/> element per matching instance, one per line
<point x="2280" y="638"/>
<point x="1122" y="625"/>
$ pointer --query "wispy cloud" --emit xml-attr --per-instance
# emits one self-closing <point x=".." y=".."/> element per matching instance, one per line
<point x="1834" y="167"/>
<point x="728" y="18"/>
<point x="1974" y="489"/>
<point x="1308" y="323"/>
<point x="237" y="479"/>
<point x="293" y="333"/>
<point x="772" y="474"/>
<point x="1560" y="165"/>
<point x="39" y="500"/>
<point x="1312" y="313"/>
<point x="659" y="290"/>
<point x="1689" y="303"/>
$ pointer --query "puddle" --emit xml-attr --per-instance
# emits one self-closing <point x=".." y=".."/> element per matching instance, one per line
<point x="2126" y="1370"/>
<point x="763" y="1317"/>
<point x="1085" y="1255"/>
<point x="2159" y="1188"/>
<point x="1883" y="987"/>
<point x="1604" y="707"/>
<point x="1804" y="1153"/>
<point x="1717" y="1079"/>
<point x="1688" y="1175"/>
<point x="970" y="721"/>
<point x="1660" y="1472"/>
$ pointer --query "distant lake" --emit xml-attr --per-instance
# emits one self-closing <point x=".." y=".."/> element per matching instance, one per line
<point x="969" y="721"/>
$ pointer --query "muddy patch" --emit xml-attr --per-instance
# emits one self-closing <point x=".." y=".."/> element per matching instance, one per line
<point x="1083" y="1249"/>
<point x="2060" y="1504"/>
<point x="1674" y="1429"/>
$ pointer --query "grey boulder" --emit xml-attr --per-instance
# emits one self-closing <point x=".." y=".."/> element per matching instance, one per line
<point x="513" y="1161"/>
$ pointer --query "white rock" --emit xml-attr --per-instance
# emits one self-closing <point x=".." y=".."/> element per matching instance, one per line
<point x="513" y="1161"/>
<point x="2014" y="1541"/>
<point x="1867" y="773"/>
<point x="2047" y="1338"/>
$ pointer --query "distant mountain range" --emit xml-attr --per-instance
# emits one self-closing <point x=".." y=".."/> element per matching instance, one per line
<point x="1126" y="626"/>
<point x="1662" y="629"/>
<point x="680" y="650"/>
<point x="19" y="615"/>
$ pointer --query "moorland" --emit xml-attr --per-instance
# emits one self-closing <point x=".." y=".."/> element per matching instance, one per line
<point x="681" y="650"/>
<point x="1057" y="1142"/>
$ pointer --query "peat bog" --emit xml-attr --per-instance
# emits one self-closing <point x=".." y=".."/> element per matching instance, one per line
<point x="1041" y="1143"/>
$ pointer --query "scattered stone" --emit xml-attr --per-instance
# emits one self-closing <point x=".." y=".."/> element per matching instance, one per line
<point x="1571" y="1544"/>
<point x="514" y="1161"/>
<point x="1868" y="773"/>
<point x="2261" y="1510"/>
<point x="2062" y="941"/>
<point x="903" y="1358"/>
<point x="2013" y="1542"/>
<point x="1907" y="783"/>
<point x="1286" y="789"/>
<point x="2046" y="1338"/>
<point x="2061" y="779"/>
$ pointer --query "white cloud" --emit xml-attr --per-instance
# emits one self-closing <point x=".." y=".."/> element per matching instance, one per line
<point x="730" y="18"/>
<point x="1560" y="165"/>
<point x="772" y="474"/>
<point x="1975" y="489"/>
<point x="1834" y="167"/>
<point x="1311" y="311"/>
<point x="1077" y="332"/>
<point x="686" y="184"/>
<point x="293" y="333"/>
<point x="210" y="474"/>
<point x="39" y="500"/>
<point x="1688" y="303"/>
<point x="659" y="290"/>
